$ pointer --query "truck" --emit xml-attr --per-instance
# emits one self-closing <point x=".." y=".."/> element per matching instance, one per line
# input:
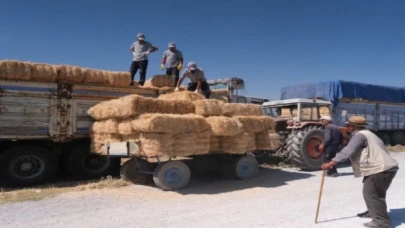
<point x="44" y="129"/>
<point x="298" y="113"/>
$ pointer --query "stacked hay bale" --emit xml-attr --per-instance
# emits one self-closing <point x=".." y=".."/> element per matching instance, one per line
<point x="39" y="72"/>
<point x="180" y="124"/>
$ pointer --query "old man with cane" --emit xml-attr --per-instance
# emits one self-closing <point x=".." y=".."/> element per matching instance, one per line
<point x="371" y="160"/>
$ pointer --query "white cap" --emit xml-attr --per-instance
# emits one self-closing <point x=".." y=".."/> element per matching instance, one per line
<point x="172" y="44"/>
<point x="140" y="36"/>
<point x="192" y="65"/>
<point x="328" y="118"/>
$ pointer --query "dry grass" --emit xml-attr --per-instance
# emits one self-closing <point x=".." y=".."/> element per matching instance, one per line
<point x="237" y="144"/>
<point x="396" y="148"/>
<point x="224" y="126"/>
<point x="159" y="81"/>
<point x="46" y="191"/>
<point x="170" y="123"/>
<point x="267" y="140"/>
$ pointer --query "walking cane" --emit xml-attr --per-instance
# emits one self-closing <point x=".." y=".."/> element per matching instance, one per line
<point x="319" y="197"/>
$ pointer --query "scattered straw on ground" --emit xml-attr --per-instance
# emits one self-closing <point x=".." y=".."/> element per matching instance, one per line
<point x="42" y="192"/>
<point x="396" y="148"/>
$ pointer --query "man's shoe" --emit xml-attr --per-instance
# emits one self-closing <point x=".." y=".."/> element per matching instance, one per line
<point x="370" y="224"/>
<point x="333" y="175"/>
<point x="364" y="215"/>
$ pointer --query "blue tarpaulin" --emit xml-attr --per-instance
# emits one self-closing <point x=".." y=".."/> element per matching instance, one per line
<point x="337" y="89"/>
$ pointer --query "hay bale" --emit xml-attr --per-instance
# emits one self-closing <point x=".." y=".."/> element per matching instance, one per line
<point x="208" y="107"/>
<point x="235" y="109"/>
<point x="267" y="140"/>
<point x="94" y="77"/>
<point x="215" y="144"/>
<point x="170" y="123"/>
<point x="187" y="144"/>
<point x="16" y="70"/>
<point x="44" y="72"/>
<point x="160" y="81"/>
<point x="118" y="79"/>
<point x="156" y="144"/>
<point x="133" y="105"/>
<point x="181" y="95"/>
<point x="254" y="124"/>
<point x="71" y="74"/>
<point x="3" y="69"/>
<point x="224" y="126"/>
<point x="105" y="127"/>
<point x="251" y="142"/>
<point x="125" y="128"/>
<point x="235" y="144"/>
<point x="132" y="137"/>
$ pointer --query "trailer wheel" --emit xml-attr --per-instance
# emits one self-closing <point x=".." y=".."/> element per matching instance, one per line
<point x="246" y="167"/>
<point x="23" y="166"/>
<point x="85" y="165"/>
<point x="302" y="148"/>
<point x="130" y="171"/>
<point x="172" y="175"/>
<point x="398" y="138"/>
<point x="385" y="137"/>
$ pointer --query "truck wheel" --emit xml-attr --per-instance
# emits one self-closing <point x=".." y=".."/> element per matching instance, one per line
<point x="302" y="148"/>
<point x="398" y="138"/>
<point x="246" y="167"/>
<point x="130" y="171"/>
<point x="385" y="137"/>
<point x="23" y="166"/>
<point x="85" y="165"/>
<point x="172" y="175"/>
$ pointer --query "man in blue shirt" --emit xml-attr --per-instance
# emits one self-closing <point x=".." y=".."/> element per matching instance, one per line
<point x="331" y="142"/>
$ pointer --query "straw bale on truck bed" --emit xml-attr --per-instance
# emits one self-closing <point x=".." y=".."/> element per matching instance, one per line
<point x="181" y="144"/>
<point x="133" y="105"/>
<point x="15" y="70"/>
<point x="208" y="107"/>
<point x="159" y="81"/>
<point x="235" y="109"/>
<point x="267" y="140"/>
<point x="182" y="95"/>
<point x="254" y="124"/>
<point x="237" y="144"/>
<point x="44" y="72"/>
<point x="224" y="126"/>
<point x="170" y="123"/>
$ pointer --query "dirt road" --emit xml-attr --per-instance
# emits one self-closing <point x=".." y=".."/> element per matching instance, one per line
<point x="277" y="198"/>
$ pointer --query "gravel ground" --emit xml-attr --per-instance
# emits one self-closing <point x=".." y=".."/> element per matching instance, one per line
<point x="277" y="198"/>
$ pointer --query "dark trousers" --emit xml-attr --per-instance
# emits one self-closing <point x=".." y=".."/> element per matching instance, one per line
<point x="374" y="192"/>
<point x="204" y="88"/>
<point x="330" y="153"/>
<point x="141" y="66"/>
<point x="173" y="71"/>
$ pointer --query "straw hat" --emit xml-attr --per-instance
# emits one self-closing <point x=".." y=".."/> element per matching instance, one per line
<point x="357" y="121"/>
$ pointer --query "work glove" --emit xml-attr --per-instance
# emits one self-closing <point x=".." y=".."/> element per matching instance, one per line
<point x="162" y="66"/>
<point x="147" y="53"/>
<point x="176" y="89"/>
<point x="179" y="67"/>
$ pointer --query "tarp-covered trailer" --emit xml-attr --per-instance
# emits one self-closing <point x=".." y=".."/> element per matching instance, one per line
<point x="382" y="106"/>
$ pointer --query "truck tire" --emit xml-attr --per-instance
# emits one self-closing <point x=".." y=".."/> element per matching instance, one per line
<point x="84" y="165"/>
<point x="23" y="166"/>
<point x="172" y="175"/>
<point x="302" y="148"/>
<point x="130" y="171"/>
<point x="385" y="137"/>
<point x="398" y="138"/>
<point x="246" y="167"/>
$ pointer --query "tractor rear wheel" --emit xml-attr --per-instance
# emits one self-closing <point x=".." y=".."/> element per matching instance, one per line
<point x="303" y="148"/>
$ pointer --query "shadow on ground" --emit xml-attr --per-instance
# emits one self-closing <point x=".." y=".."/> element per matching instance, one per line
<point x="397" y="217"/>
<point x="267" y="178"/>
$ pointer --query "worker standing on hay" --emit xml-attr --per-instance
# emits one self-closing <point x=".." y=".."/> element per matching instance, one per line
<point x="331" y="142"/>
<point x="141" y="50"/>
<point x="174" y="60"/>
<point x="371" y="160"/>
<point x="198" y="82"/>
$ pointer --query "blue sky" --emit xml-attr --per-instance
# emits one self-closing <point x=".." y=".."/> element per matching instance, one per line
<point x="270" y="44"/>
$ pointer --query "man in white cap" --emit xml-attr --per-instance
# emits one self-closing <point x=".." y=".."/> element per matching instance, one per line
<point x="174" y="60"/>
<point x="140" y="49"/>
<point x="331" y="142"/>
<point x="198" y="82"/>
<point x="371" y="160"/>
